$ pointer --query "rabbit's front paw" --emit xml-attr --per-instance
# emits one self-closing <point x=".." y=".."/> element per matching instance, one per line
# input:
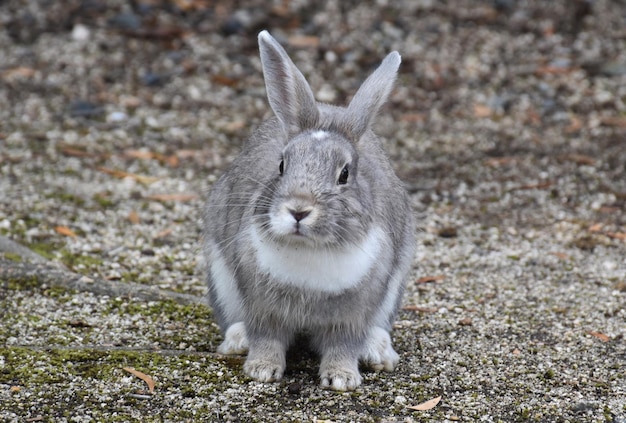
<point x="264" y="370"/>
<point x="379" y="353"/>
<point x="235" y="340"/>
<point x="340" y="378"/>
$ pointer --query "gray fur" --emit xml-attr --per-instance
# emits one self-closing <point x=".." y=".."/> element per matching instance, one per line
<point x="250" y="225"/>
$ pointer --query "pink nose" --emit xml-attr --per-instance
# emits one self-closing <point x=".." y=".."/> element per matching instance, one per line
<point x="299" y="214"/>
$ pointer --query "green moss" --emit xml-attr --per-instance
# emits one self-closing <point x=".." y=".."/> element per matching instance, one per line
<point x="60" y="293"/>
<point x="104" y="200"/>
<point x="67" y="197"/>
<point x="44" y="249"/>
<point x="22" y="283"/>
<point x="174" y="314"/>
<point x="549" y="374"/>
<point x="74" y="261"/>
<point x="525" y="413"/>
<point x="12" y="256"/>
<point x="59" y="365"/>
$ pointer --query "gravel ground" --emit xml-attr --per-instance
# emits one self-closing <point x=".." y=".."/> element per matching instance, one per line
<point x="508" y="125"/>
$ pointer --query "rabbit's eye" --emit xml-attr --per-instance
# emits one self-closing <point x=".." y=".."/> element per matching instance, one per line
<point x="281" y="167"/>
<point x="343" y="176"/>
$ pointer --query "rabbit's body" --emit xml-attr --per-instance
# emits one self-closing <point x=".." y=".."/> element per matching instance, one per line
<point x="310" y="231"/>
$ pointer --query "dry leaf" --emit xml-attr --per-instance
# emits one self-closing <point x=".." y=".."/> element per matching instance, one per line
<point x="145" y="180"/>
<point x="580" y="159"/>
<point x="143" y="377"/>
<point x="482" y="111"/>
<point x="133" y="217"/>
<point x="533" y="117"/>
<point x="616" y="235"/>
<point x="163" y="233"/>
<point x="413" y="117"/>
<point x="172" y="161"/>
<point x="64" y="230"/>
<point x="465" y="322"/>
<point x="420" y="309"/>
<point x="602" y="337"/>
<point x="427" y="279"/>
<point x="304" y="41"/>
<point x="130" y="102"/>
<point x="234" y="126"/>
<point x="191" y="5"/>
<point x="172" y="197"/>
<point x="595" y="227"/>
<point x="20" y="72"/>
<point x="499" y="161"/>
<point x="283" y="11"/>
<point x="16" y="388"/>
<point x="75" y="152"/>
<point x="609" y="209"/>
<point x="562" y="256"/>
<point x="615" y="121"/>
<point x="575" y="125"/>
<point x="187" y="154"/>
<point x="428" y="405"/>
<point x="142" y="154"/>
<point x="620" y="286"/>
<point x="225" y="80"/>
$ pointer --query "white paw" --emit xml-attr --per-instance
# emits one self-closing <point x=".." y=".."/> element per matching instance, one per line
<point x="264" y="370"/>
<point x="378" y="353"/>
<point x="340" y="378"/>
<point x="235" y="340"/>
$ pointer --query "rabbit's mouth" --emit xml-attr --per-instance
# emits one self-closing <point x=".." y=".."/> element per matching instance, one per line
<point x="293" y="222"/>
<point x="298" y="235"/>
<point x="297" y="230"/>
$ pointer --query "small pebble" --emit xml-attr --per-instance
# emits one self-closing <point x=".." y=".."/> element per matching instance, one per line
<point x="400" y="399"/>
<point x="84" y="108"/>
<point x="117" y="117"/>
<point x="80" y="33"/>
<point x="127" y="21"/>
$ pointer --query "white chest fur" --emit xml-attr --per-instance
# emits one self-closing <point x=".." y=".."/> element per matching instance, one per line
<point x="322" y="270"/>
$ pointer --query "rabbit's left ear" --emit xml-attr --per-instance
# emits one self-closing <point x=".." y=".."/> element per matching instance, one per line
<point x="289" y="94"/>
<point x="372" y="94"/>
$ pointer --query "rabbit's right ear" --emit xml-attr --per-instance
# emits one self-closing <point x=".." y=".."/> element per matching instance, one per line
<point x="289" y="94"/>
<point x="372" y="95"/>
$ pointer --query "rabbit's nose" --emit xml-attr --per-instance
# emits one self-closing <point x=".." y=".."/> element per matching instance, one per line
<point x="299" y="214"/>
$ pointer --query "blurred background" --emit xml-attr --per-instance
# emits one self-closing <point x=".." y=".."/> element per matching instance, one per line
<point x="507" y="111"/>
<point x="507" y="124"/>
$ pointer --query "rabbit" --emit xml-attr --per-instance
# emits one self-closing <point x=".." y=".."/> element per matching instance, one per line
<point x="309" y="231"/>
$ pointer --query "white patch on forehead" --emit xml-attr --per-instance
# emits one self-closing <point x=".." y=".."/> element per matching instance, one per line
<point x="318" y="269"/>
<point x="319" y="134"/>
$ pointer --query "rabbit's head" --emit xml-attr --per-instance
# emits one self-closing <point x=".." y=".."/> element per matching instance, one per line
<point x="319" y="196"/>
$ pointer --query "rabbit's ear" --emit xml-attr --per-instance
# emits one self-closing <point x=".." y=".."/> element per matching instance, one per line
<point x="289" y="94"/>
<point x="372" y="95"/>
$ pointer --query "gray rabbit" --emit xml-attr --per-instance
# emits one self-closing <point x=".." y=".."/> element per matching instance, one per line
<point x="310" y="231"/>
